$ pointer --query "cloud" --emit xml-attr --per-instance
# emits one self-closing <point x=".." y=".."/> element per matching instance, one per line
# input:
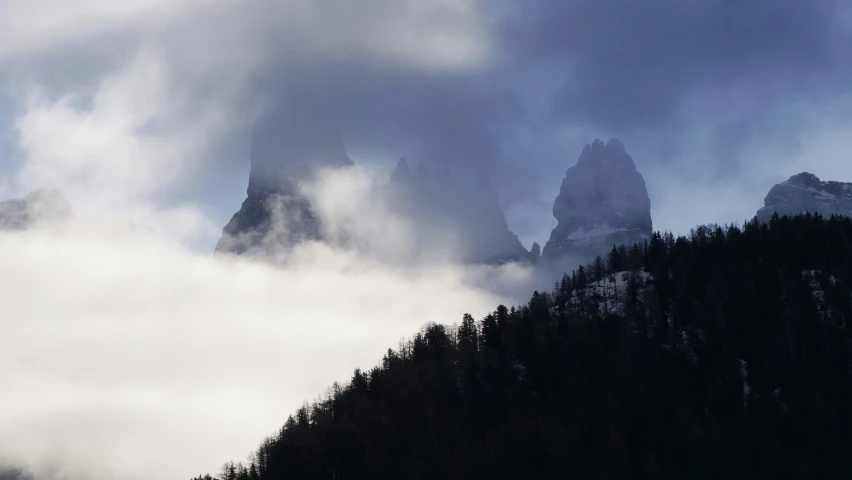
<point x="156" y="93"/>
<point x="431" y="34"/>
<point x="128" y="356"/>
<point x="630" y="64"/>
<point x="693" y="88"/>
<point x="699" y="91"/>
<point x="711" y="94"/>
<point x="127" y="352"/>
<point x="30" y="28"/>
<point x="103" y="147"/>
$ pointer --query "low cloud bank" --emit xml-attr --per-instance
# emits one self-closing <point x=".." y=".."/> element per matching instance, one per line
<point x="127" y="354"/>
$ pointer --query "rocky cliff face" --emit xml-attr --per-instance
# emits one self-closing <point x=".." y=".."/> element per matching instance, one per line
<point x="285" y="151"/>
<point x="471" y="219"/>
<point x="602" y="202"/>
<point x="806" y="193"/>
<point x="492" y="240"/>
<point x="39" y="207"/>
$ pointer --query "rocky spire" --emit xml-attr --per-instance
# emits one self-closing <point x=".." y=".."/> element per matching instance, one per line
<point x="805" y="192"/>
<point x="602" y="202"/>
<point x="439" y="205"/>
<point x="422" y="171"/>
<point x="285" y="151"/>
<point x="535" y="253"/>
<point x="493" y="241"/>
<point x="402" y="173"/>
<point x="486" y="203"/>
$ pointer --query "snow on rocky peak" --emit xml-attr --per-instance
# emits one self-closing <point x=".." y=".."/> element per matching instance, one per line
<point x="806" y="193"/>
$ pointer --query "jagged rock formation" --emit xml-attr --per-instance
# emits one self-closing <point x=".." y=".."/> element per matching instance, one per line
<point x="285" y="151"/>
<point x="440" y="205"/>
<point x="448" y="219"/>
<point x="39" y="207"/>
<point x="806" y="193"/>
<point x="535" y="253"/>
<point x="602" y="202"/>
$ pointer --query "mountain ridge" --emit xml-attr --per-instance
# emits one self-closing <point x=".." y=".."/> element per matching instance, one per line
<point x="805" y="192"/>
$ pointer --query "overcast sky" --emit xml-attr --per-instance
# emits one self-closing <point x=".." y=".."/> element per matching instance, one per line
<point x="716" y="99"/>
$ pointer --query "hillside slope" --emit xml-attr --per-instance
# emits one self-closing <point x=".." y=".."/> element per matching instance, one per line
<point x="726" y="354"/>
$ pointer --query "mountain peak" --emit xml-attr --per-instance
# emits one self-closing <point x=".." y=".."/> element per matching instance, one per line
<point x="402" y="173"/>
<point x="805" y="179"/>
<point x="610" y="154"/>
<point x="805" y="192"/>
<point x="615" y="145"/>
<point x="603" y="201"/>
<point x="441" y="205"/>
<point x="422" y="171"/>
<point x="285" y="151"/>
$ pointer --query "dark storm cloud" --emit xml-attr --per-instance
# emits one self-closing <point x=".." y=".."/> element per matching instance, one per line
<point x="442" y="118"/>
<point x="631" y="64"/>
<point x="681" y="82"/>
<point x="622" y="68"/>
<point x="460" y="120"/>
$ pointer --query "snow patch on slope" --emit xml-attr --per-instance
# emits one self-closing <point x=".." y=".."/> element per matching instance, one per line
<point x="611" y="292"/>
<point x="804" y="193"/>
<point x="817" y="289"/>
<point x="596" y="231"/>
<point x="818" y="292"/>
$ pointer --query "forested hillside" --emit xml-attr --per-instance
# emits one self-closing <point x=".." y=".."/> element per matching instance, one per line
<point x="722" y="355"/>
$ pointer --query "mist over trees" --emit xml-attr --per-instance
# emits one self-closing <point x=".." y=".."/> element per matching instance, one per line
<point x="723" y="354"/>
